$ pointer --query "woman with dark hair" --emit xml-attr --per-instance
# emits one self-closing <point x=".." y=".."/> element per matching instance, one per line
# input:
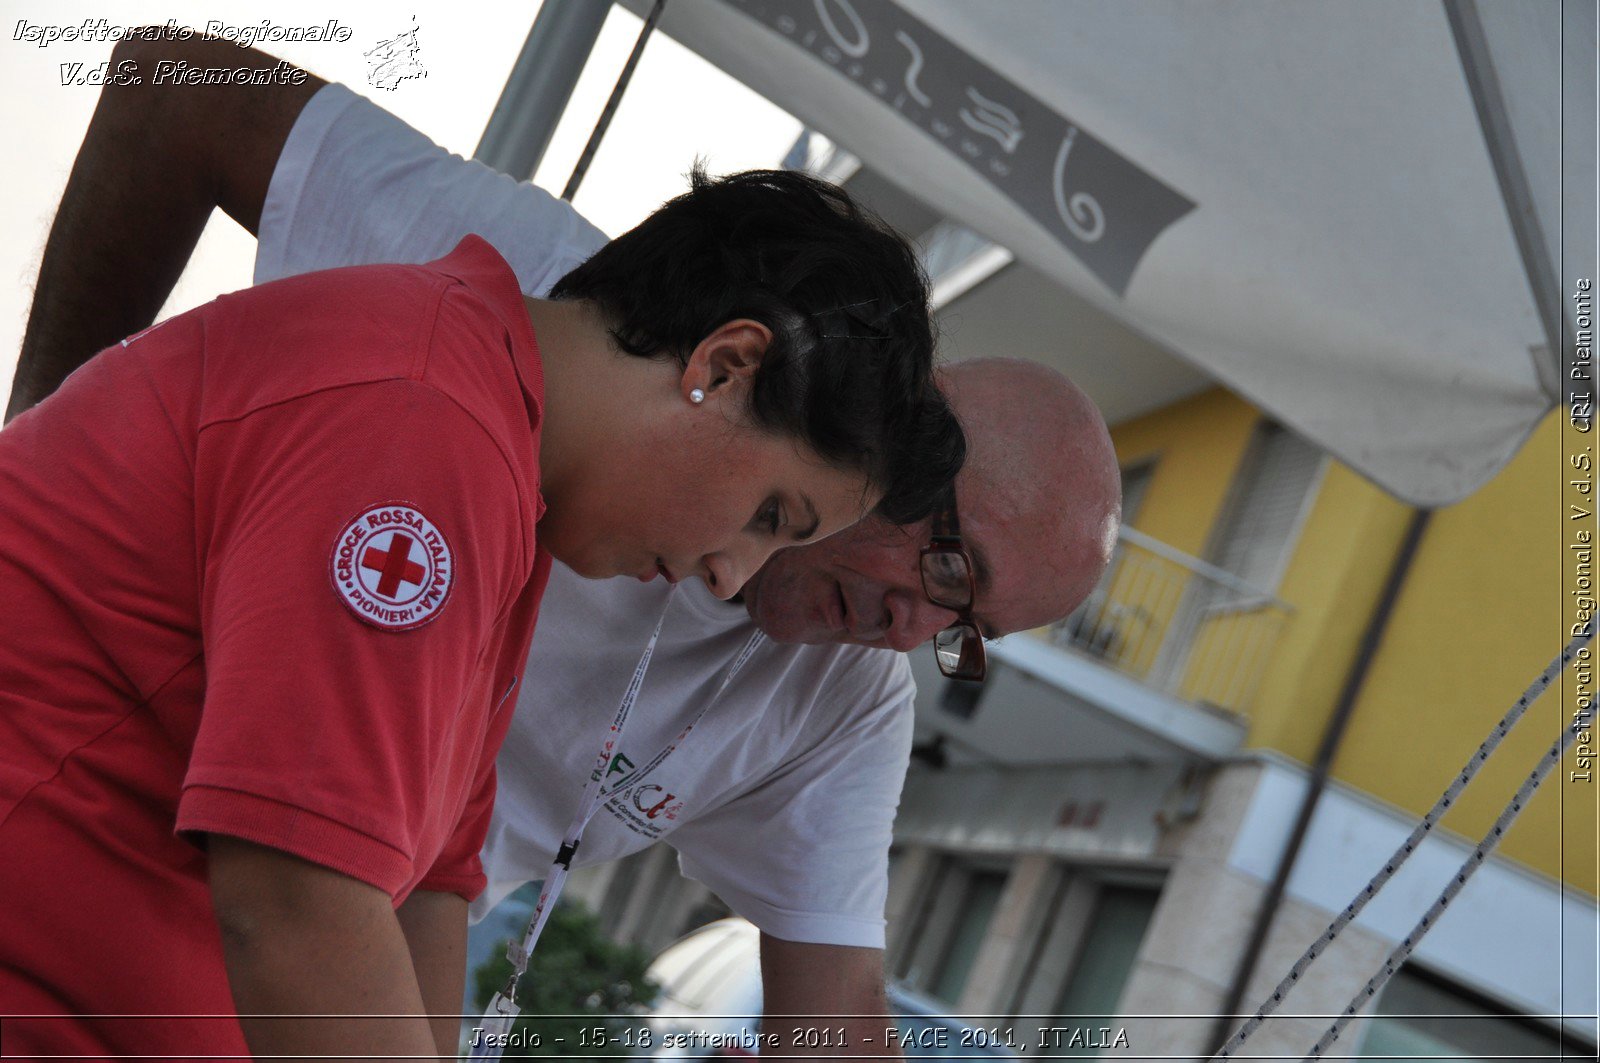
<point x="841" y="296"/>
<point x="272" y="566"/>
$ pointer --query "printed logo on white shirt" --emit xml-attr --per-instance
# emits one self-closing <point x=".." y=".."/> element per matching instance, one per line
<point x="649" y="808"/>
<point x="392" y="567"/>
<point x="645" y="807"/>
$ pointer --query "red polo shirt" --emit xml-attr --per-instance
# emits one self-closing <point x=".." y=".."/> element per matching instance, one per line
<point x="269" y="570"/>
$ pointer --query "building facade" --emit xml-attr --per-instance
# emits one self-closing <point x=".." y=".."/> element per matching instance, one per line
<point x="1097" y="849"/>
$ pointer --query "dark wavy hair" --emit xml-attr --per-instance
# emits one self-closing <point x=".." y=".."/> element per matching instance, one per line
<point x="850" y="367"/>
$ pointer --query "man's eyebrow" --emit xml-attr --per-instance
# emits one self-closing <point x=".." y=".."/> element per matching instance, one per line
<point x="980" y="567"/>
<point x="811" y="511"/>
<point x="983" y="579"/>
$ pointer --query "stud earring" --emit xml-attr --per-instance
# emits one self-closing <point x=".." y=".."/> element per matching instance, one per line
<point x="697" y="396"/>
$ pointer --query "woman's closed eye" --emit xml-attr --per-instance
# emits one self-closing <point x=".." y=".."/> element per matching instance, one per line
<point x="774" y="515"/>
<point x="771" y="516"/>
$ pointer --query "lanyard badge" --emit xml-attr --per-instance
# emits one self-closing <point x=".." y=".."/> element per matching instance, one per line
<point x="502" y="1011"/>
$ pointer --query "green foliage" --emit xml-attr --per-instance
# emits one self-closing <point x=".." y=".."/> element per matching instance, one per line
<point x="578" y="980"/>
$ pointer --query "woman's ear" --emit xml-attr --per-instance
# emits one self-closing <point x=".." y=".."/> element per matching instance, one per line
<point x="729" y="356"/>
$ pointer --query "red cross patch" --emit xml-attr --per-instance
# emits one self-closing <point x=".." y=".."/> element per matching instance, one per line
<point x="393" y="567"/>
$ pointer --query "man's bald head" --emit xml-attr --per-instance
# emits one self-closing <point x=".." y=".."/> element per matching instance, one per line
<point x="1038" y="503"/>
<point x="1040" y="491"/>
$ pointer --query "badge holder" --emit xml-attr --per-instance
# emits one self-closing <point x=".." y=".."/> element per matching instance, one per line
<point x="503" y="1011"/>
<point x="498" y="1018"/>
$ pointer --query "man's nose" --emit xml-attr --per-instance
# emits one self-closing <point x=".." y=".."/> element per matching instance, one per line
<point x="914" y="620"/>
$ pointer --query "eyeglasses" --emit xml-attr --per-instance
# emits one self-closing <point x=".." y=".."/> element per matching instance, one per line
<point x="948" y="582"/>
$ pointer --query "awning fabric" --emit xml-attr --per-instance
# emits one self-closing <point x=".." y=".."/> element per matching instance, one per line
<point x="1296" y="195"/>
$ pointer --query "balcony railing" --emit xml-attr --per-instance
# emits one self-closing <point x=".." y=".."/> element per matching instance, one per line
<point x="1183" y="626"/>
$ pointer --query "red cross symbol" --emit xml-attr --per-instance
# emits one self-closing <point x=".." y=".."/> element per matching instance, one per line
<point x="396" y="565"/>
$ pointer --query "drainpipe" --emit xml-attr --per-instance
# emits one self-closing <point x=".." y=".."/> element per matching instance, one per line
<point x="1332" y="735"/>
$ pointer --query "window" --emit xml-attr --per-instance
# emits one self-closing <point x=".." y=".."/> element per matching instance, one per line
<point x="977" y="909"/>
<point x="1263" y="520"/>
<point x="1226" y="623"/>
<point x="1135" y="482"/>
<point x="1421" y="1015"/>
<point x="1093" y="927"/>
<point x="951" y="925"/>
<point x="1116" y="931"/>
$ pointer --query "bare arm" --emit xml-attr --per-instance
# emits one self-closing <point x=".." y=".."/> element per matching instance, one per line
<point x="435" y="926"/>
<point x="301" y="940"/>
<point x="155" y="161"/>
<point x="823" y="988"/>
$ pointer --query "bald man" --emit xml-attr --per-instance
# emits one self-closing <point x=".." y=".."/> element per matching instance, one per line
<point x="782" y="799"/>
<point x="1037" y="505"/>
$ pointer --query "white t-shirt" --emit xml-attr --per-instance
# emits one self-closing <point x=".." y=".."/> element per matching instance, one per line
<point x="782" y="799"/>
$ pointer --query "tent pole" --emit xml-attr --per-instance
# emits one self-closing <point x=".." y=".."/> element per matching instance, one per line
<point x="540" y="84"/>
<point x="1538" y="257"/>
<point x="610" y="110"/>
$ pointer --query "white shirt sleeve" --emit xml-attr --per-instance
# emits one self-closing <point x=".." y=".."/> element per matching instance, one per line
<point x="355" y="185"/>
<point x="803" y="852"/>
<point x="804" y="855"/>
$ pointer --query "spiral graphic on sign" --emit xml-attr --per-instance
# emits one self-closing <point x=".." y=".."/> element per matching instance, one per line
<point x="1080" y="212"/>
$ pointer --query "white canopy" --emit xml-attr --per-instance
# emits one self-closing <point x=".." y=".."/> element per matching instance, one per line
<point x="1298" y="196"/>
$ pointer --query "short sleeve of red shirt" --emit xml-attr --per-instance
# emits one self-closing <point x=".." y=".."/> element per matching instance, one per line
<point x="330" y="734"/>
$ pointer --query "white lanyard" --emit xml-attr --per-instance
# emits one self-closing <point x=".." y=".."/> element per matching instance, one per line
<point x="503" y="1009"/>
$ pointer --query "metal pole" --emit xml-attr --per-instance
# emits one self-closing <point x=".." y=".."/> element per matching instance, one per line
<point x="541" y="83"/>
<point x="1538" y="258"/>
<point x="1322" y="767"/>
<point x="617" y="91"/>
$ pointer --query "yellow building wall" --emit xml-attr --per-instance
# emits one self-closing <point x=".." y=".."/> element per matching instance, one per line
<point x="1335" y="570"/>
<point x="1333" y="580"/>
<point x="1480" y="616"/>
<point x="1197" y="445"/>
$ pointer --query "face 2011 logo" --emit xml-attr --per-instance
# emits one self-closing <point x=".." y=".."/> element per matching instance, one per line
<point x="644" y="795"/>
<point x="647" y="808"/>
